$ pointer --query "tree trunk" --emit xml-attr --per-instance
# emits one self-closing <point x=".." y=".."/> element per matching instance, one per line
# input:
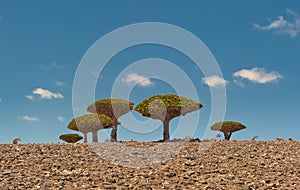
<point x="230" y="133"/>
<point x="95" y="136"/>
<point x="85" y="137"/>
<point x="166" y="123"/>
<point x="227" y="135"/>
<point x="113" y="135"/>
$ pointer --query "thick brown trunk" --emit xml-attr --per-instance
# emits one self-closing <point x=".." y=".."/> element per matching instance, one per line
<point x="95" y="136"/>
<point x="230" y="133"/>
<point x="166" y="123"/>
<point x="113" y="135"/>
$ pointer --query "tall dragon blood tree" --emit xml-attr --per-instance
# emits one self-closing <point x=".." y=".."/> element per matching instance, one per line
<point x="166" y="107"/>
<point x="113" y="108"/>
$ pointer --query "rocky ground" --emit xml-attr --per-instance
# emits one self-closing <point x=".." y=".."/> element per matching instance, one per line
<point x="193" y="165"/>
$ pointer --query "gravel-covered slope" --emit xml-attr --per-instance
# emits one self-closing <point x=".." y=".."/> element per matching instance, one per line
<point x="225" y="165"/>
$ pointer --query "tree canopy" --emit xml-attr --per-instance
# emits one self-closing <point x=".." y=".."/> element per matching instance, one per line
<point x="112" y="107"/>
<point x="167" y="106"/>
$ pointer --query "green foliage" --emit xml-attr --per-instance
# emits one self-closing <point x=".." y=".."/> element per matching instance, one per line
<point x="111" y="101"/>
<point x="90" y="122"/>
<point x="168" y="105"/>
<point x="112" y="107"/>
<point x="71" y="138"/>
<point x="227" y="126"/>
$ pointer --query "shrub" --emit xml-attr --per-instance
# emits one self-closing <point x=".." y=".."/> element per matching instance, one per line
<point x="71" y="138"/>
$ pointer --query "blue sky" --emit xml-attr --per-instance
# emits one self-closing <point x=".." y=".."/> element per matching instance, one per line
<point x="255" y="43"/>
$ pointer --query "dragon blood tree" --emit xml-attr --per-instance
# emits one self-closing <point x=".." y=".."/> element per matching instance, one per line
<point x="227" y="127"/>
<point x="91" y="123"/>
<point x="70" y="138"/>
<point x="166" y="107"/>
<point x="113" y="108"/>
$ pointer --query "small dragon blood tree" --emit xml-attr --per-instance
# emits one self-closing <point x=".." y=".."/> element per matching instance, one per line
<point x="227" y="127"/>
<point x="166" y="107"/>
<point x="91" y="123"/>
<point x="71" y="138"/>
<point x="113" y="108"/>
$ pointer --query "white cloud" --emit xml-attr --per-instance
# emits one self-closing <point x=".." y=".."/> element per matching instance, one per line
<point x="61" y="119"/>
<point x="59" y="83"/>
<point x="79" y="111"/>
<point x="283" y="26"/>
<point x="258" y="75"/>
<point x="239" y="83"/>
<point x="44" y="94"/>
<point x="53" y="65"/>
<point x="134" y="78"/>
<point x="28" y="118"/>
<point x="214" y="81"/>
<point x="94" y="73"/>
<point x="275" y="24"/>
<point x="30" y="97"/>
